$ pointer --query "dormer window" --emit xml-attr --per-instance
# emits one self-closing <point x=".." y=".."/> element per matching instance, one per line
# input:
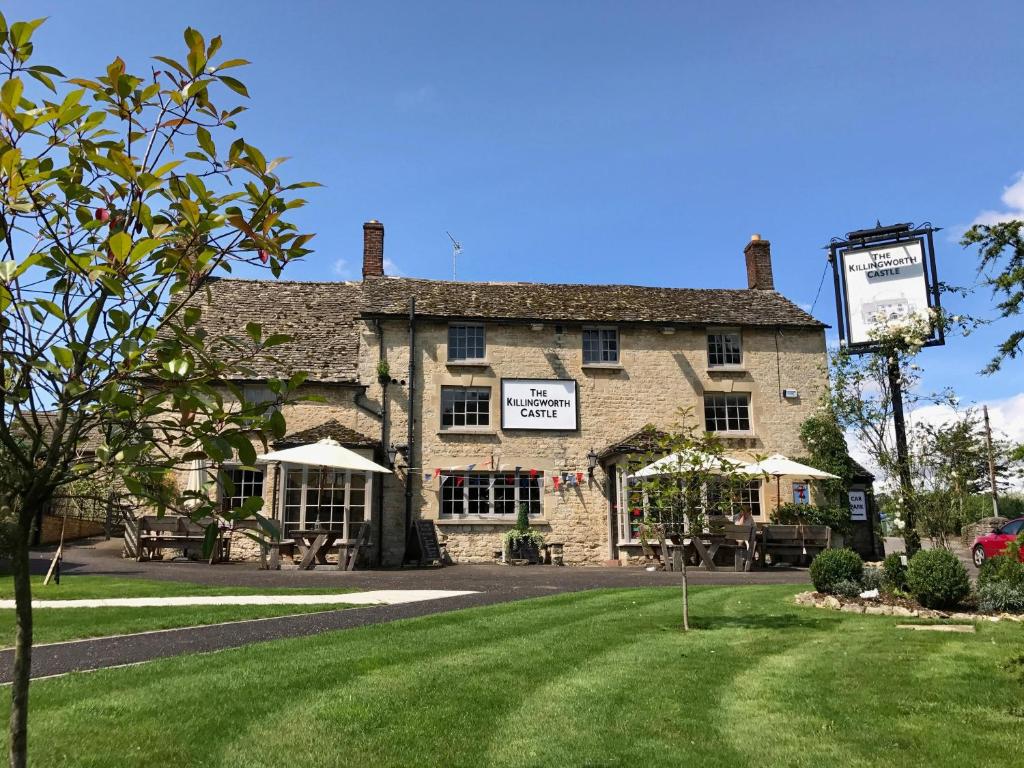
<point x="466" y="342"/>
<point x="724" y="349"/>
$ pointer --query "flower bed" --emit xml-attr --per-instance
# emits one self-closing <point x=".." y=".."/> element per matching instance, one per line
<point x="888" y="605"/>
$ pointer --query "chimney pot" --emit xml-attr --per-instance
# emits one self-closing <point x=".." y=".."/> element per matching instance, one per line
<point x="759" y="264"/>
<point x="373" y="249"/>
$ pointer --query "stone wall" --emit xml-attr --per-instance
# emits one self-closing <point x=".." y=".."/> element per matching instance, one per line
<point x="660" y="373"/>
<point x="49" y="532"/>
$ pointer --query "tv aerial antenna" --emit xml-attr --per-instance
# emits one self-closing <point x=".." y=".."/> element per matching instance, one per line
<point x="456" y="250"/>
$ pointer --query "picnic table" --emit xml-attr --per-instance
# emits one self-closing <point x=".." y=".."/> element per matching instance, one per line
<point x="314" y="544"/>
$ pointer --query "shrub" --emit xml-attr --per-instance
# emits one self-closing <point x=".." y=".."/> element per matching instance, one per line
<point x="833" y="566"/>
<point x="873" y="578"/>
<point x="836" y="518"/>
<point x="847" y="588"/>
<point x="937" y="579"/>
<point x="1002" y="569"/>
<point x="894" y="573"/>
<point x="1001" y="597"/>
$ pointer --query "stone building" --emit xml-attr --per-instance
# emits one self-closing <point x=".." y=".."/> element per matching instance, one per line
<point x="520" y="394"/>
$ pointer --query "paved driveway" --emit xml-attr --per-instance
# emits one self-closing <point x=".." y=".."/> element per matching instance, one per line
<point x="489" y="584"/>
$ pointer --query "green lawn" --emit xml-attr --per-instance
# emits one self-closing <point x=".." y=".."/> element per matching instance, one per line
<point x="596" y="679"/>
<point x="54" y="625"/>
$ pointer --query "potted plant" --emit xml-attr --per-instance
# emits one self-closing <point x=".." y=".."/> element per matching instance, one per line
<point x="383" y="373"/>
<point x="522" y="542"/>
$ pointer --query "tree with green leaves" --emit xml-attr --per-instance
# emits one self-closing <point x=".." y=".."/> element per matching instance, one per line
<point x="1001" y="264"/>
<point x="684" y="478"/>
<point x="121" y="194"/>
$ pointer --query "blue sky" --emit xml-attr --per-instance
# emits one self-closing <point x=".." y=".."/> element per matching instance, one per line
<point x="637" y="142"/>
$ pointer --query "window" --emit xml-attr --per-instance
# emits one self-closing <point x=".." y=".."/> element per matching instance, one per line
<point x="237" y="485"/>
<point x="600" y="345"/>
<point x="465" y="407"/>
<point x="1012" y="528"/>
<point x="323" y="498"/>
<point x="746" y="499"/>
<point x="466" y="342"/>
<point x="490" y="494"/>
<point x="724" y="349"/>
<point x="259" y="398"/>
<point x="727" y="413"/>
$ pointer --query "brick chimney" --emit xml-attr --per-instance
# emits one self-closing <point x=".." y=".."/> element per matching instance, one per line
<point x="373" y="249"/>
<point x="759" y="264"/>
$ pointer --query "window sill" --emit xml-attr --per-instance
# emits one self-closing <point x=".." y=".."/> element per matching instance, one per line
<point x="604" y="366"/>
<point x="737" y="435"/>
<point x="468" y="363"/>
<point x="484" y="521"/>
<point x="457" y="431"/>
<point x="727" y="369"/>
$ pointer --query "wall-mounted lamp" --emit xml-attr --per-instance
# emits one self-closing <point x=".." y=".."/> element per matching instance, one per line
<point x="393" y="451"/>
<point x="591" y="462"/>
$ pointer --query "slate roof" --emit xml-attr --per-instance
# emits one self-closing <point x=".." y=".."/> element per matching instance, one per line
<point x="320" y="317"/>
<point x="582" y="303"/>
<point x="333" y="429"/>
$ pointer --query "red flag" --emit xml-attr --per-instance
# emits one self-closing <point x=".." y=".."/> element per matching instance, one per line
<point x="459" y="479"/>
<point x="510" y="479"/>
<point x="579" y="478"/>
<point x="555" y="481"/>
<point x="533" y="473"/>
<point x="437" y="472"/>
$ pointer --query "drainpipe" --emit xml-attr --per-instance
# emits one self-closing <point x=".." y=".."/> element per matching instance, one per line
<point x="383" y="443"/>
<point x="409" y="416"/>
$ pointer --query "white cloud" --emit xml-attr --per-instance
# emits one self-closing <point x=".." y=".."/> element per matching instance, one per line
<point x="1006" y="416"/>
<point x="343" y="269"/>
<point x="1013" y="199"/>
<point x="390" y="268"/>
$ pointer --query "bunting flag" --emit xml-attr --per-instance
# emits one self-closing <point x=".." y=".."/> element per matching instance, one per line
<point x="470" y="467"/>
<point x="533" y="473"/>
<point x="579" y="478"/>
<point x="554" y="481"/>
<point x="437" y="472"/>
<point x="518" y="469"/>
<point x="426" y="478"/>
<point x="459" y="479"/>
<point x="510" y="479"/>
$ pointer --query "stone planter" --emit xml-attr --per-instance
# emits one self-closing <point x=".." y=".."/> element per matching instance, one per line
<point x="525" y="550"/>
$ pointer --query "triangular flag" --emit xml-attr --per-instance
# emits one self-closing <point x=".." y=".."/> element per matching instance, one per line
<point x="554" y="481"/>
<point x="437" y="471"/>
<point x="459" y="479"/>
<point x="426" y="477"/>
<point x="579" y="478"/>
<point x="470" y="467"/>
<point x="510" y="479"/>
<point x="533" y="473"/>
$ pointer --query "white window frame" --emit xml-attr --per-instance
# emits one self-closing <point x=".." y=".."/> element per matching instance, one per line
<point x="488" y="427"/>
<point x="449" y="477"/>
<point x="301" y="524"/>
<point x="483" y="334"/>
<point x="750" y="413"/>
<point x="221" y="491"/>
<point x="600" y="330"/>
<point x="723" y="333"/>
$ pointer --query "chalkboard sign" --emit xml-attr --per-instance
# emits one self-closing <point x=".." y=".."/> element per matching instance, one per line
<point x="425" y="546"/>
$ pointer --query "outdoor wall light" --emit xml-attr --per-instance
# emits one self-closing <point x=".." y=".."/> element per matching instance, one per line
<point x="393" y="451"/>
<point x="592" y="462"/>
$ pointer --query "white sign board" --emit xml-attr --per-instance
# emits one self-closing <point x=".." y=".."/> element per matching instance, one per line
<point x="539" y="404"/>
<point x="883" y="284"/>
<point x="858" y="505"/>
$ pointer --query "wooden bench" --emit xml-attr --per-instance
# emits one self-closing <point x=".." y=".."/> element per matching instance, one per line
<point x="802" y="542"/>
<point x="178" y="532"/>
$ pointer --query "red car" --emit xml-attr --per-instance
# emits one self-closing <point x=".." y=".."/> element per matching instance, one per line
<point x="992" y="544"/>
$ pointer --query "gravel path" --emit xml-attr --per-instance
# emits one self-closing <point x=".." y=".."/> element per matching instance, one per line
<point x="373" y="597"/>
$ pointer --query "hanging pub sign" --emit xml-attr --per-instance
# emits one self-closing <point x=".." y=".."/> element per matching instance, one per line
<point x="540" y="404"/>
<point x="884" y="278"/>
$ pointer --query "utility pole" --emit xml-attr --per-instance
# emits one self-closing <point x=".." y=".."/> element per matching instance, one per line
<point x="991" y="463"/>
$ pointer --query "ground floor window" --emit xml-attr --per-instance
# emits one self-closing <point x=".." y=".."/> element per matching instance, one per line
<point x="238" y="485"/>
<point x="745" y="500"/>
<point x="488" y="494"/>
<point x="317" y="497"/>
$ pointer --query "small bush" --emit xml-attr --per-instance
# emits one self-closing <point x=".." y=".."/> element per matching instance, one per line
<point x="937" y="579"/>
<point x="1001" y="597"/>
<point x="894" y="573"/>
<point x="833" y="566"/>
<point x="1002" y="569"/>
<point x="836" y="518"/>
<point x="873" y="578"/>
<point x="847" y="588"/>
